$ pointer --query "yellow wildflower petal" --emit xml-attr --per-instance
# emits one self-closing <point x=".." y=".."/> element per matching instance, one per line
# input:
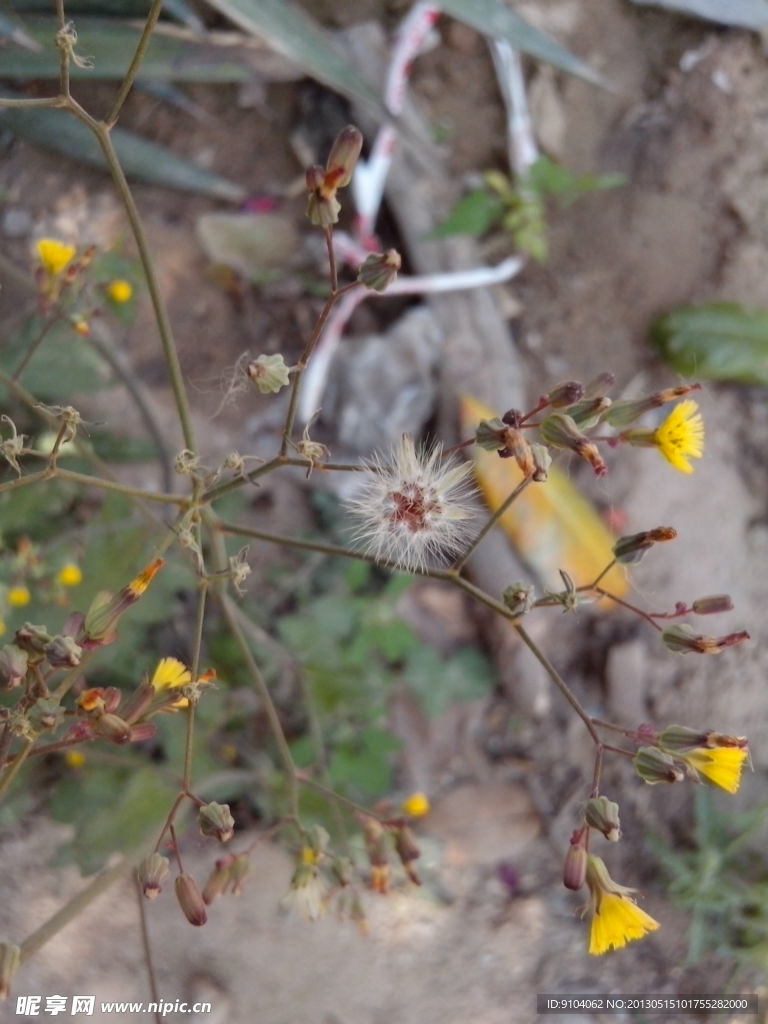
<point x="721" y="766"/>
<point x="70" y="575"/>
<point x="170" y="674"/>
<point x="19" y="596"/>
<point x="681" y="436"/>
<point x="120" y="290"/>
<point x="616" y="921"/>
<point x="75" y="758"/>
<point x="55" y="256"/>
<point x="137" y="586"/>
<point x="416" y="806"/>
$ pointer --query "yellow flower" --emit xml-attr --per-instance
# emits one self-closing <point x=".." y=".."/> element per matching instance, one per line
<point x="75" y="758"/>
<point x="681" y="436"/>
<point x="416" y="805"/>
<point x="120" y="290"/>
<point x="171" y="674"/>
<point x="616" y="918"/>
<point x="55" y="256"/>
<point x="19" y="596"/>
<point x="70" y="575"/>
<point x="138" y="585"/>
<point x="721" y="766"/>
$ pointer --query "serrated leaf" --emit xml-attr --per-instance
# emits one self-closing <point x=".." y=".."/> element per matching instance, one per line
<point x="140" y="159"/>
<point x="289" y="30"/>
<point x="111" y="45"/>
<point x="494" y="19"/>
<point x="473" y="214"/>
<point x="744" y="13"/>
<point x="551" y="524"/>
<point x="720" y="341"/>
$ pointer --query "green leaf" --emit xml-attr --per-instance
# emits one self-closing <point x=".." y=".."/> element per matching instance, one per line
<point x="140" y="159"/>
<point x="111" y="45"/>
<point x="549" y="178"/>
<point x="472" y="215"/>
<point x="291" y="31"/>
<point x="178" y="9"/>
<point x="494" y="19"/>
<point x="719" y="341"/>
<point x="744" y="13"/>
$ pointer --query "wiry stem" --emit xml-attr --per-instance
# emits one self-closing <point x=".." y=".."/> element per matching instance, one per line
<point x="138" y="57"/>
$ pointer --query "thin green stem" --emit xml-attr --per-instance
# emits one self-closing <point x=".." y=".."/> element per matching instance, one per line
<point x="231" y="615"/>
<point x="130" y="75"/>
<point x="112" y="485"/>
<point x="158" y="302"/>
<point x="629" y="607"/>
<point x="214" y="493"/>
<point x="63" y="55"/>
<point x="307" y="780"/>
<point x="294" y="542"/>
<point x="195" y="671"/>
<point x="461" y="561"/>
<point x="14" y="103"/>
<point x="13" y="769"/>
<point x="22" y="481"/>
<point x="558" y="680"/>
<point x="33" y="347"/>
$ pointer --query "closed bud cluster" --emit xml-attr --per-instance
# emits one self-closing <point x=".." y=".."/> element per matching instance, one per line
<point x="519" y="598"/>
<point x="323" y="207"/>
<point x="151" y="874"/>
<point x="542" y="460"/>
<point x="602" y="814"/>
<point x="712" y="605"/>
<point x="375" y="837"/>
<point x="654" y="766"/>
<point x="630" y="549"/>
<point x="516" y="447"/>
<point x="566" y="394"/>
<point x="105" y="610"/>
<point x="624" y="414"/>
<point x="407" y="851"/>
<point x="561" y="431"/>
<point x="490" y="434"/>
<point x="269" y="373"/>
<point x="587" y="414"/>
<point x="575" y="866"/>
<point x="63" y="652"/>
<point x="683" y="639"/>
<point x="13" y="666"/>
<point x="190" y="900"/>
<point x="218" y="880"/>
<point x="216" y="821"/>
<point x="33" y="640"/>
<point x="380" y="270"/>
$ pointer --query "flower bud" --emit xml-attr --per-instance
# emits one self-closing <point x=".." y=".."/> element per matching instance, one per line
<point x="490" y="434"/>
<point x="575" y="866"/>
<point x="566" y="394"/>
<point x="323" y="211"/>
<point x="315" y="177"/>
<point x="654" y="766"/>
<point x="599" y="385"/>
<point x="112" y="728"/>
<point x="343" y="157"/>
<point x="379" y="270"/>
<point x="683" y="639"/>
<point x="137" y="703"/>
<point x="32" y="639"/>
<point x="151" y="873"/>
<point x="269" y="373"/>
<point x="190" y="900"/>
<point x="10" y="961"/>
<point x="630" y="549"/>
<point x="63" y="652"/>
<point x="407" y="851"/>
<point x="417" y="805"/>
<point x="218" y="880"/>
<point x="105" y="610"/>
<point x="240" y="867"/>
<point x="679" y="739"/>
<point x="712" y="605"/>
<point x="516" y="447"/>
<point x="587" y="414"/>
<point x="624" y="414"/>
<point x="375" y="837"/>
<point x="542" y="460"/>
<point x="561" y="431"/>
<point x="603" y="814"/>
<point x="216" y="821"/>
<point x="13" y="666"/>
<point x="519" y="598"/>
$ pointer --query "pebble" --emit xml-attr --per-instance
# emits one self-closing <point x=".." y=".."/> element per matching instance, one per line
<point x="16" y="222"/>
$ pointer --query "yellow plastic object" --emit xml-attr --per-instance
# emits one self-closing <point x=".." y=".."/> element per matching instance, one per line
<point x="551" y="524"/>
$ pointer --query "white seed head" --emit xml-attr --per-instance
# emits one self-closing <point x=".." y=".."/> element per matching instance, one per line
<point x="413" y="506"/>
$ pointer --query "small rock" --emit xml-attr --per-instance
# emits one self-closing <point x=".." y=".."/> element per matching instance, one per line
<point x="16" y="222"/>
